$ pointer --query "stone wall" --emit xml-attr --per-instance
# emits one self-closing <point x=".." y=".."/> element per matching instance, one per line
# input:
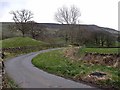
<point x="0" y="75"/>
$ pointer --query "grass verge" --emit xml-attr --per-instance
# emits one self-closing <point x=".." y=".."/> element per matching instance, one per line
<point x="100" y="50"/>
<point x="9" y="83"/>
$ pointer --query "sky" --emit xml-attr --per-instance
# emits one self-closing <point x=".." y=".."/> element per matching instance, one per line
<point x="99" y="12"/>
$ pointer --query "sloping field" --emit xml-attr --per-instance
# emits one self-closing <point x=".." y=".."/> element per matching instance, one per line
<point x="20" y="42"/>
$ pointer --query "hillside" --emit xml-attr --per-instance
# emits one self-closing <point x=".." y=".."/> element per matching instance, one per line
<point x="20" y="42"/>
<point x="52" y="28"/>
<point x="82" y="26"/>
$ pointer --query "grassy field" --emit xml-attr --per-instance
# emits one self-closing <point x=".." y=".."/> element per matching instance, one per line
<point x="20" y="42"/>
<point x="55" y="62"/>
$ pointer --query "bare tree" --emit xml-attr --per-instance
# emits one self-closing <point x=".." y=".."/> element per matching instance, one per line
<point x="65" y="15"/>
<point x="36" y="30"/>
<point x="68" y="16"/>
<point x="32" y="29"/>
<point x="21" y="18"/>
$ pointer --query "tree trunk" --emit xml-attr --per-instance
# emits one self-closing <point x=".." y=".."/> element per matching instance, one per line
<point x="23" y="34"/>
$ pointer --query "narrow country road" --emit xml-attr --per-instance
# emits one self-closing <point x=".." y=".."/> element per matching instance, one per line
<point x="21" y="70"/>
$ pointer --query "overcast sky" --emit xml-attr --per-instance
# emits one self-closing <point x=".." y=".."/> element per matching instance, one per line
<point x="99" y="12"/>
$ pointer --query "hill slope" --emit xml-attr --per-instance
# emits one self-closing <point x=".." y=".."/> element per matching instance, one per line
<point x="53" y="27"/>
<point x="20" y="42"/>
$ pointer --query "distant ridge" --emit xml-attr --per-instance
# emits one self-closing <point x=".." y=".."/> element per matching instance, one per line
<point x="91" y="27"/>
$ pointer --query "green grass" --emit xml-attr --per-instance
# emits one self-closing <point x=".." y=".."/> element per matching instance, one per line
<point x="10" y="83"/>
<point x="20" y="42"/>
<point x="0" y="43"/>
<point x="117" y="44"/>
<point x="54" y="62"/>
<point x="100" y="50"/>
<point x="59" y="40"/>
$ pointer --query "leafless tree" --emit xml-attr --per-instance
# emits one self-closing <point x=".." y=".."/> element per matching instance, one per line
<point x="21" y="17"/>
<point x="33" y="31"/>
<point x="36" y="30"/>
<point x="67" y="15"/>
<point x="103" y="39"/>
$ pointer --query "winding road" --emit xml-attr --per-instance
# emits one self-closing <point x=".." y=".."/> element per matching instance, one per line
<point x="23" y="72"/>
